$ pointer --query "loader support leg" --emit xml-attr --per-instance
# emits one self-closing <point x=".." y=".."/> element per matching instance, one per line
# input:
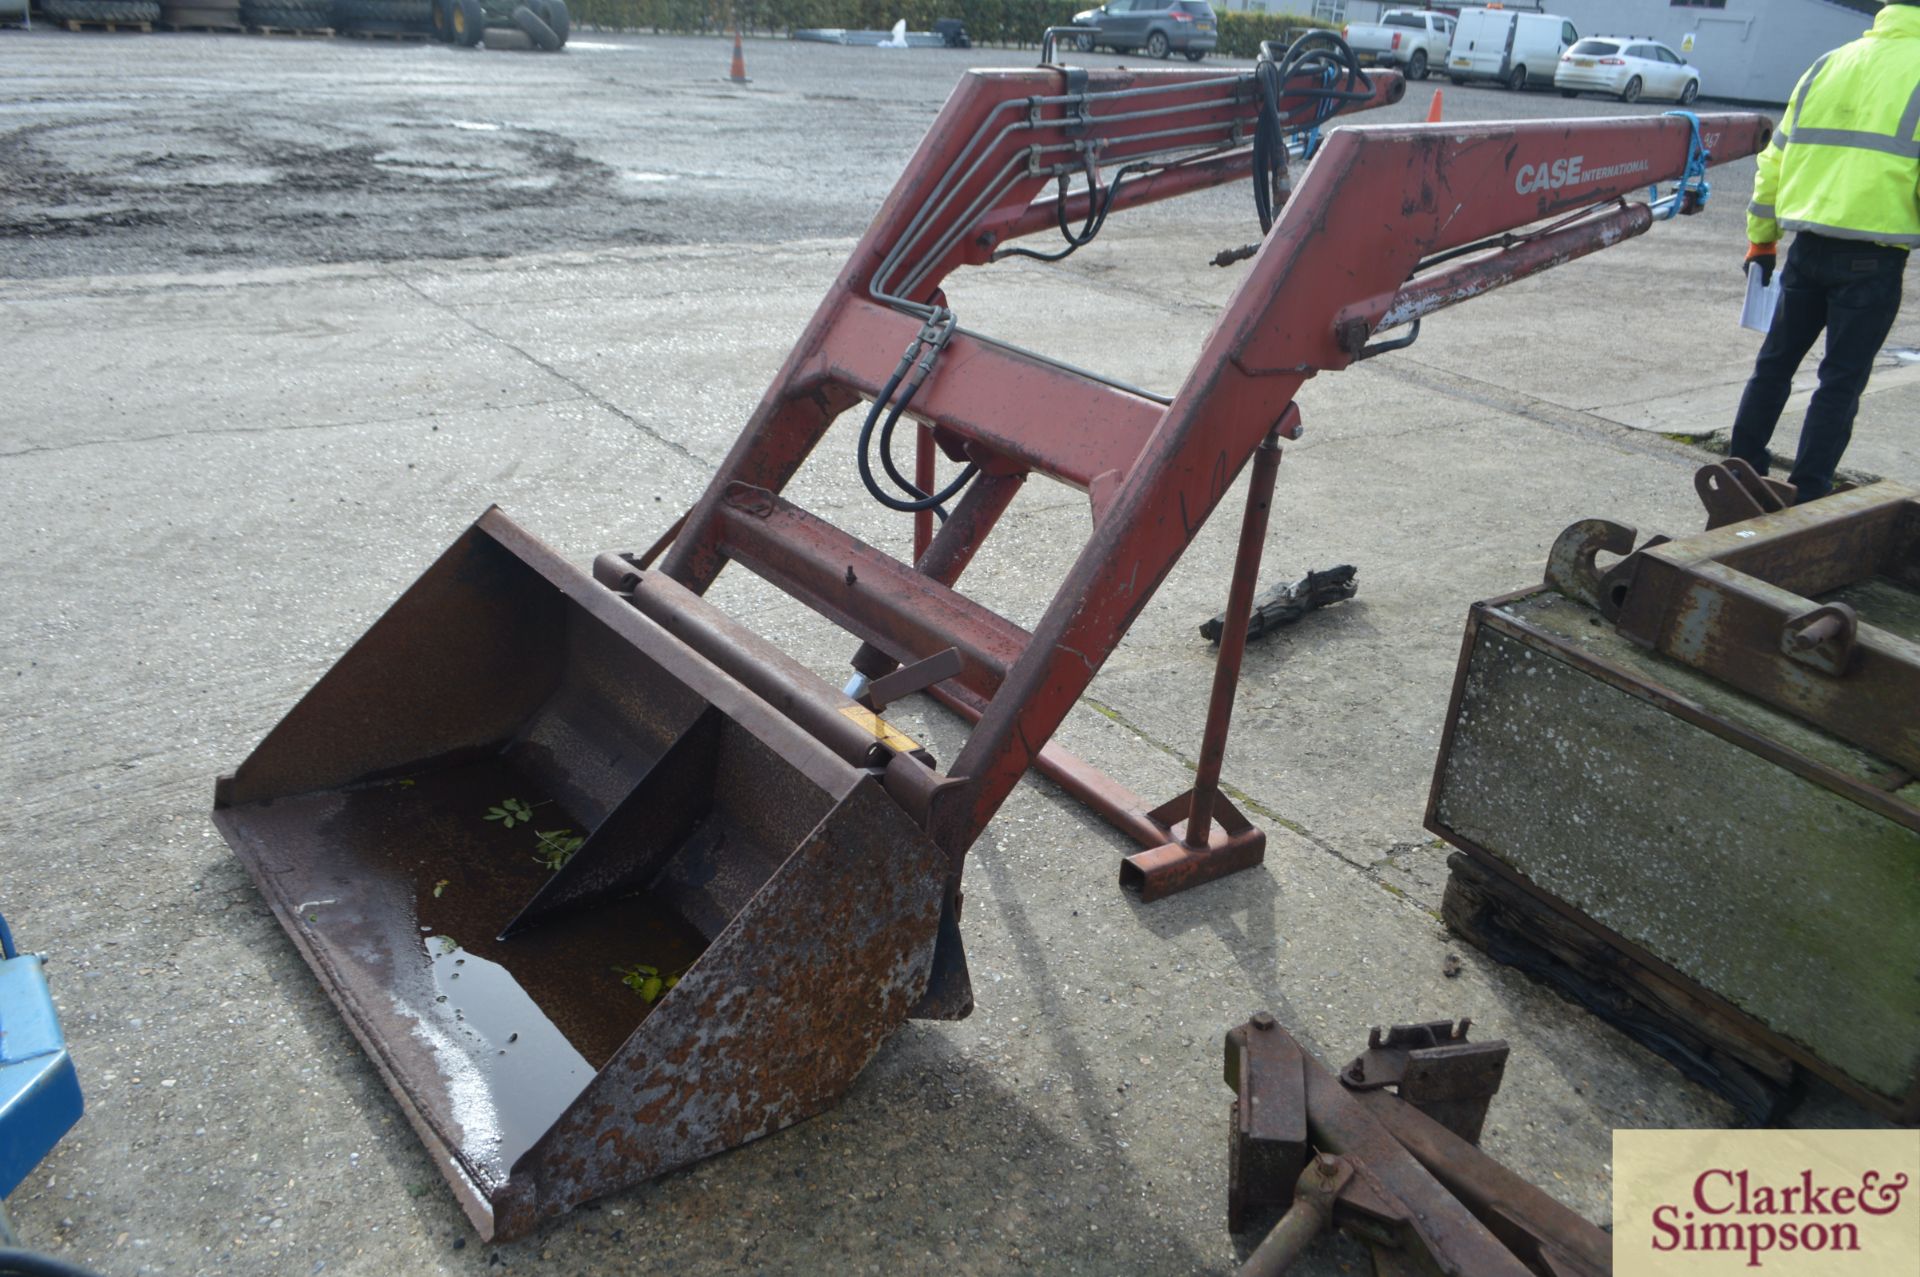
<point x="1195" y="851"/>
<point x="1233" y="642"/>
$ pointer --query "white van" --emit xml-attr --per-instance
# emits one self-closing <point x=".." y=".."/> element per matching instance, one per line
<point x="1514" y="49"/>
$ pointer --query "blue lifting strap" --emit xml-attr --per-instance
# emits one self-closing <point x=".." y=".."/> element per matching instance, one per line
<point x="1690" y="196"/>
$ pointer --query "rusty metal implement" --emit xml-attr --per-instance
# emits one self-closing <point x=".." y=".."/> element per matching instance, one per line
<point x="793" y="898"/>
<point x="605" y="883"/>
<point x="1384" y="1167"/>
<point x="1683" y="787"/>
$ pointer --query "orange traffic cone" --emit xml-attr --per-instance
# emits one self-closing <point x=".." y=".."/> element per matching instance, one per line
<point x="739" y="73"/>
<point x="1433" y="112"/>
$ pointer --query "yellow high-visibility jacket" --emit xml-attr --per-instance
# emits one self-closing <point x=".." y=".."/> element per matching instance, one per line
<point x="1845" y="161"/>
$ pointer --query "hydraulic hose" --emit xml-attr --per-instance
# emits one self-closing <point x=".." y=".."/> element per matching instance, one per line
<point x="916" y="499"/>
<point x="1099" y="203"/>
<point x="913" y="369"/>
<point x="1317" y="55"/>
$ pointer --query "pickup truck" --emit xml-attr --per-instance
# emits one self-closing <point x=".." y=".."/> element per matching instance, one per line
<point x="1414" y="39"/>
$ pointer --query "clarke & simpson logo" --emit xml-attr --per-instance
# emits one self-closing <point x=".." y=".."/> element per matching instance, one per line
<point x="1726" y="1211"/>
<point x="1781" y="1202"/>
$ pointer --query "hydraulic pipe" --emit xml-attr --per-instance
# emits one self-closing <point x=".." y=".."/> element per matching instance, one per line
<point x="1478" y="275"/>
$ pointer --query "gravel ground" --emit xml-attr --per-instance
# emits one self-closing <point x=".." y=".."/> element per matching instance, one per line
<point x="193" y="152"/>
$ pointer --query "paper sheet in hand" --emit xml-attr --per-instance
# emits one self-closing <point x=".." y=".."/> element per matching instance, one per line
<point x="1757" y="311"/>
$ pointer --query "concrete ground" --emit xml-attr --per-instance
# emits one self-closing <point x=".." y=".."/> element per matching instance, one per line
<point x="245" y="408"/>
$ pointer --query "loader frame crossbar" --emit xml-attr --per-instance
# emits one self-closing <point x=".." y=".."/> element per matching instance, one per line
<point x="1338" y="267"/>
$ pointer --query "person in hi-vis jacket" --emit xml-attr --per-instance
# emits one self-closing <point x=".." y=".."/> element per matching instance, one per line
<point x="1842" y="173"/>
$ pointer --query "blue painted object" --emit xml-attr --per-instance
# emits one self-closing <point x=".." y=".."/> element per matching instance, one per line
<point x="39" y="1091"/>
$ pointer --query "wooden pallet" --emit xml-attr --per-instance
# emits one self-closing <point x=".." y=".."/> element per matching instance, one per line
<point x="305" y="31"/>
<point x="85" y="24"/>
<point x="1510" y="925"/>
<point x="386" y="33"/>
<point x="200" y="26"/>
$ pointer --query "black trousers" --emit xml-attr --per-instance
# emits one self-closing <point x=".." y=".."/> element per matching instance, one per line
<point x="1852" y="290"/>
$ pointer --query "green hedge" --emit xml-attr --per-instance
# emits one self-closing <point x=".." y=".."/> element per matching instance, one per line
<point x="1006" y="22"/>
<point x="1241" y="33"/>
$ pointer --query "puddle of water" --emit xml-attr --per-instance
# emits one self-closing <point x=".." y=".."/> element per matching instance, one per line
<point x="477" y="126"/>
<point x="651" y="177"/>
<point x="513" y="1072"/>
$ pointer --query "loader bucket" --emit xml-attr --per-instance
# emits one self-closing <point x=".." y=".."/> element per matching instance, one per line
<point x="706" y="923"/>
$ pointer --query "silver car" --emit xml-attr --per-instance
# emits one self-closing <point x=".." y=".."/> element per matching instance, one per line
<point x="1627" y="67"/>
<point x="1156" y="27"/>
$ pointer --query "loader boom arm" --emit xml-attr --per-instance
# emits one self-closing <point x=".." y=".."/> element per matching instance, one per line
<point x="1338" y="265"/>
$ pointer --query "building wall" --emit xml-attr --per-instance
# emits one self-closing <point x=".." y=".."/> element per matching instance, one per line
<point x="1753" y="50"/>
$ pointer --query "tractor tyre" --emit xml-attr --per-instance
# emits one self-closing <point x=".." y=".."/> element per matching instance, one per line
<point x="468" y="22"/>
<point x="556" y="16"/>
<point x="536" y="28"/>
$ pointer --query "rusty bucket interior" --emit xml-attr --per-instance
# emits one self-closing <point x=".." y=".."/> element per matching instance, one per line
<point x="595" y="907"/>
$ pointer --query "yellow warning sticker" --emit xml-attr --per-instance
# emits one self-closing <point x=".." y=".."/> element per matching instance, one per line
<point x="883" y="731"/>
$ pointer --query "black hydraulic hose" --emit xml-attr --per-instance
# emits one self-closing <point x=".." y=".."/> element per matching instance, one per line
<point x="917" y="500"/>
<point x="1269" y="146"/>
<point x="1099" y="204"/>
<point x="880" y="401"/>
<point x="1096" y="211"/>
<point x="1320" y="55"/>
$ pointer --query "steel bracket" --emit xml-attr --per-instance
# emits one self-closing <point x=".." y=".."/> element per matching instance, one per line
<point x="1436" y="1070"/>
<point x="1733" y="490"/>
<point x="1822" y="639"/>
<point x="1267" y="1139"/>
<point x="1571" y="569"/>
<point x="1375" y="1165"/>
<point x="1746" y="604"/>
